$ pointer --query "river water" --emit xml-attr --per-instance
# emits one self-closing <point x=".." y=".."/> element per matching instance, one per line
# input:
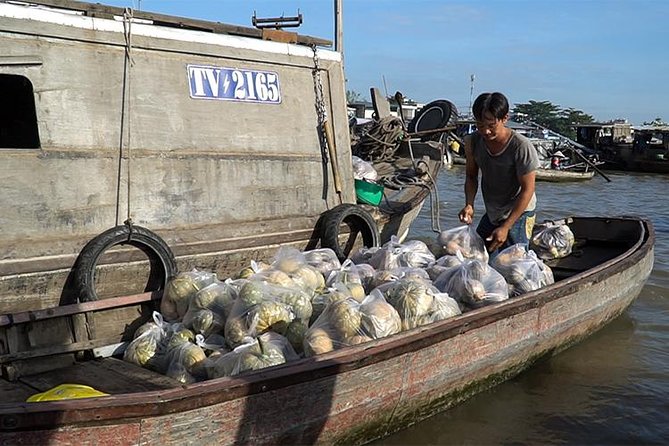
<point x="612" y="388"/>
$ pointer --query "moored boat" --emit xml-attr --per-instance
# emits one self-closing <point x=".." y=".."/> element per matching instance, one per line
<point x="347" y="396"/>
<point x="141" y="144"/>
<point x="560" y="176"/>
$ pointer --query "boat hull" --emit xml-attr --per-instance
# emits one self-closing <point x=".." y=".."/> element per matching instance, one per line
<point x="562" y="176"/>
<point x="355" y="395"/>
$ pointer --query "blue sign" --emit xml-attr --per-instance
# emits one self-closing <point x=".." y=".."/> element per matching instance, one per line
<point x="232" y="84"/>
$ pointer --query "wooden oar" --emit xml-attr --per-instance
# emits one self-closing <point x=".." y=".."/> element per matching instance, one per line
<point x="590" y="163"/>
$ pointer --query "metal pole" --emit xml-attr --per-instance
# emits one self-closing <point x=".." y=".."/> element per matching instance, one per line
<point x="339" y="29"/>
<point x="471" y="92"/>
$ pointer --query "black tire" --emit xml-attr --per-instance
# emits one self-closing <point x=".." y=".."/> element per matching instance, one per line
<point x="357" y="219"/>
<point x="155" y="248"/>
<point x="434" y="115"/>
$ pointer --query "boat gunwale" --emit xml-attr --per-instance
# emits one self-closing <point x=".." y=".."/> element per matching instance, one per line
<point x="126" y="407"/>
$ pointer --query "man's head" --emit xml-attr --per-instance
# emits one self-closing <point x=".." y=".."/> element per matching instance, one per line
<point x="491" y="111"/>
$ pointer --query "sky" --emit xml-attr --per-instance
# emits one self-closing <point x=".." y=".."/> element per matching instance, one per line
<point x="607" y="58"/>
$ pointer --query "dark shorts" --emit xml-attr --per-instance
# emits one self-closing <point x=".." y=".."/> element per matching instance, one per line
<point x="520" y="232"/>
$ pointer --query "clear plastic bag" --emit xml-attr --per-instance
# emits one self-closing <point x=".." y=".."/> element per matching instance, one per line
<point x="180" y="289"/>
<point x="476" y="284"/>
<point x="268" y="350"/>
<point x="463" y="239"/>
<point x="149" y="347"/>
<point x="324" y="260"/>
<point x="442" y="264"/>
<point x="363" y="170"/>
<point x="522" y="270"/>
<point x="552" y="241"/>
<point x="337" y="326"/>
<point x="379" y="318"/>
<point x="411" y="298"/>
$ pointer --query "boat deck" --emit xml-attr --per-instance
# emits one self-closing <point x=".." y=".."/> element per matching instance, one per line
<point x="109" y="375"/>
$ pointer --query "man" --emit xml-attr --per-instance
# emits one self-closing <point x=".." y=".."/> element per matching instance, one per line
<point x="508" y="162"/>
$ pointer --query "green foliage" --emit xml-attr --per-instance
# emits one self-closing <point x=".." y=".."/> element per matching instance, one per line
<point x="551" y="116"/>
<point x="352" y="96"/>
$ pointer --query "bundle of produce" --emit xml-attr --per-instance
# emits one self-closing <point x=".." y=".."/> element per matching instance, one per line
<point x="363" y="255"/>
<point x="552" y="241"/>
<point x="522" y="270"/>
<point x="443" y="307"/>
<point x="324" y="260"/>
<point x="463" y="239"/>
<point x="411" y="298"/>
<point x="269" y="349"/>
<point x="309" y="279"/>
<point x="415" y="254"/>
<point x="379" y="318"/>
<point x="338" y="291"/>
<point x="210" y="307"/>
<point x="388" y="256"/>
<point x="337" y="326"/>
<point x="442" y="264"/>
<point x="180" y="289"/>
<point x="185" y="360"/>
<point x="255" y="267"/>
<point x="366" y="273"/>
<point x="263" y="306"/>
<point x="288" y="259"/>
<point x="149" y="345"/>
<point x="245" y="322"/>
<point x="204" y="321"/>
<point x="349" y="275"/>
<point x="474" y="283"/>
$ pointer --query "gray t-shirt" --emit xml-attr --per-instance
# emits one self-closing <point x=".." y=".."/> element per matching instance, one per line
<point x="500" y="173"/>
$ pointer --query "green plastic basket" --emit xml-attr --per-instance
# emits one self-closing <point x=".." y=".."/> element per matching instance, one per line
<point x="368" y="192"/>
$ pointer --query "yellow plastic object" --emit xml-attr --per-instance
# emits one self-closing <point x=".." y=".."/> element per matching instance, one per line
<point x="66" y="392"/>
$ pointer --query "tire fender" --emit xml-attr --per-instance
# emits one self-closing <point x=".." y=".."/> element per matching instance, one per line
<point x="138" y="236"/>
<point x="357" y="219"/>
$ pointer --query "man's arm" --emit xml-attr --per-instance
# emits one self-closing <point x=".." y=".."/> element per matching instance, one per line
<point x="471" y="183"/>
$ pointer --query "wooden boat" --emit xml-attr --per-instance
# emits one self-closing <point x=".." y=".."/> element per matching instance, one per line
<point x="347" y="396"/>
<point x="560" y="176"/>
<point x="135" y="145"/>
<point x="623" y="147"/>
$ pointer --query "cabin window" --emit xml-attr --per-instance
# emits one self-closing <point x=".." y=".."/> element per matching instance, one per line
<point x="18" y="120"/>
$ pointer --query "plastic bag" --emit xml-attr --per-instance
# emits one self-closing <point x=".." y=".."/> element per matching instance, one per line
<point x="269" y="349"/>
<point x="552" y="241"/>
<point x="324" y="260"/>
<point x="337" y="326"/>
<point x="148" y="349"/>
<point x="463" y="239"/>
<point x="180" y="289"/>
<point x="522" y="270"/>
<point x="442" y="264"/>
<point x="379" y="318"/>
<point x="415" y="254"/>
<point x="363" y="170"/>
<point x="411" y="298"/>
<point x="476" y="284"/>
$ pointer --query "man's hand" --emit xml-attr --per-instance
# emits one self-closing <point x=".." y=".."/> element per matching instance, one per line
<point x="467" y="214"/>
<point x="497" y="238"/>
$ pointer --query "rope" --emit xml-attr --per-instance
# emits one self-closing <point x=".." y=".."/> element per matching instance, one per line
<point x="124" y="149"/>
<point x="381" y="141"/>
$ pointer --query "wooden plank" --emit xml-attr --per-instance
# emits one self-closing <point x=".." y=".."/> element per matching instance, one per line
<point x="15" y="392"/>
<point x="119" y="323"/>
<point x="65" y="310"/>
<point x="16" y="369"/>
<point x="56" y="349"/>
<point x="110" y="375"/>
